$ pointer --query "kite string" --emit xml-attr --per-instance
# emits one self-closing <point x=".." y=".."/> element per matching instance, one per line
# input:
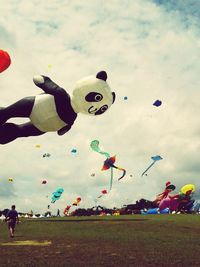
<point x="148" y="168"/>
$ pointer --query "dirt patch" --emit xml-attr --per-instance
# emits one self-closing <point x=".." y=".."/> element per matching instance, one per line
<point x="27" y="243"/>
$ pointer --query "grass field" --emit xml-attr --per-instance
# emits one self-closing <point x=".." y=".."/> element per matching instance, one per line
<point x="135" y="240"/>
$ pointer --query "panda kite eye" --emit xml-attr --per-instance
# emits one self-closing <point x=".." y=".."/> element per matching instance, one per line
<point x="93" y="97"/>
<point x="101" y="110"/>
<point x="98" y="97"/>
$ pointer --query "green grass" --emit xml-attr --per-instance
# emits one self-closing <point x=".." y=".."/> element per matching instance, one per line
<point x="135" y="240"/>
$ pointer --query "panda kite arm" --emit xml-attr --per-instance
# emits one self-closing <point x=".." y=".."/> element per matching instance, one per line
<point x="64" y="130"/>
<point x="46" y="84"/>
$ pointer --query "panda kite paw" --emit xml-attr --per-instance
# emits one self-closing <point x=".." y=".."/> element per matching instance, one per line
<point x="38" y="79"/>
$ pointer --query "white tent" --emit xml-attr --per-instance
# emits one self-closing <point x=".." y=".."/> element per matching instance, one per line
<point x="2" y="218"/>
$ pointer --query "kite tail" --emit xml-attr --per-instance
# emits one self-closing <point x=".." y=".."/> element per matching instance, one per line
<point x="121" y="169"/>
<point x="124" y="173"/>
<point x="95" y="147"/>
<point x="111" y="178"/>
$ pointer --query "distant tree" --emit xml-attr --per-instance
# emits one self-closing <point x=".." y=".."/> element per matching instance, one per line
<point x="5" y="211"/>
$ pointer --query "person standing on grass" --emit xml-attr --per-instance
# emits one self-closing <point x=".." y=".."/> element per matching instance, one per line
<point x="12" y="219"/>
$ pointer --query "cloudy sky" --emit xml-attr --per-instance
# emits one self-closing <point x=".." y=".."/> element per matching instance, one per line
<point x="150" y="50"/>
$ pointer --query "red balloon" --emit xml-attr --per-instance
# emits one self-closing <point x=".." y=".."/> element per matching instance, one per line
<point x="4" y="60"/>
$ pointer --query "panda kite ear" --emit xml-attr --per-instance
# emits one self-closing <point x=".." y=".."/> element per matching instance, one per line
<point x="114" y="96"/>
<point x="102" y="75"/>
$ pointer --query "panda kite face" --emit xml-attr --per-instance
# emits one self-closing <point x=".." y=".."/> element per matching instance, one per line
<point x="95" y="97"/>
<point x="92" y="95"/>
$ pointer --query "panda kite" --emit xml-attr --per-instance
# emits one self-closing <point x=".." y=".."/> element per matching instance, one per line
<point x="54" y="110"/>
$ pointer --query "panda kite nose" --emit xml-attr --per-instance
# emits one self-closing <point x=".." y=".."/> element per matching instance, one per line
<point x="91" y="110"/>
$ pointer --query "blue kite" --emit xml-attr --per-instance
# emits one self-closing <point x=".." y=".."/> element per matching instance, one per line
<point x="56" y="195"/>
<point x="157" y="103"/>
<point x="155" y="159"/>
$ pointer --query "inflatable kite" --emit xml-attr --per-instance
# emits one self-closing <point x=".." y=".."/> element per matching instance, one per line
<point x="55" y="110"/>
<point x="77" y="201"/>
<point x="56" y="195"/>
<point x="109" y="162"/>
<point x="44" y="181"/>
<point x="155" y="211"/>
<point x="10" y="179"/>
<point x="155" y="159"/>
<point x="180" y="201"/>
<point x="5" y="60"/>
<point x="188" y="188"/>
<point x="168" y="189"/>
<point x="169" y="202"/>
<point x="66" y="210"/>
